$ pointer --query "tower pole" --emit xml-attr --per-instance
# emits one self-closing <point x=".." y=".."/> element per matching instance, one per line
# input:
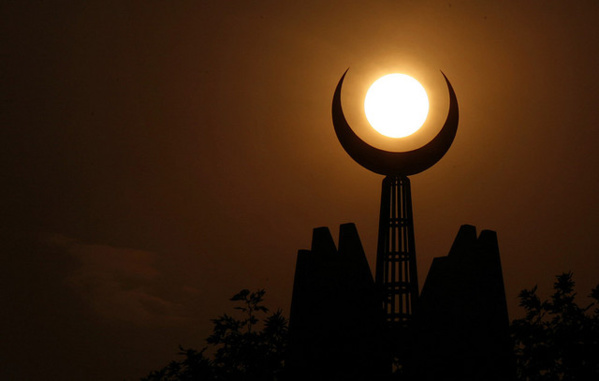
<point x="396" y="273"/>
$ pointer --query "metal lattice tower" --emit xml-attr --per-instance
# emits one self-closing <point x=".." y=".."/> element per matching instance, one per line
<point x="396" y="275"/>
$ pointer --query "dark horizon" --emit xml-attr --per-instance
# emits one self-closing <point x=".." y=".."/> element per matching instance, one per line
<point x="157" y="158"/>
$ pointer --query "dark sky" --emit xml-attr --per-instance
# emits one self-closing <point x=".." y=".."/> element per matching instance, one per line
<point x="157" y="157"/>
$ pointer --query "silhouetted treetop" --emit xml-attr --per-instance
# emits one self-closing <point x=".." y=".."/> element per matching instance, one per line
<point x="247" y="348"/>
<point x="557" y="340"/>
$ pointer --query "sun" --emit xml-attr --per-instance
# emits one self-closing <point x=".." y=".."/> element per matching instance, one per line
<point x="396" y="105"/>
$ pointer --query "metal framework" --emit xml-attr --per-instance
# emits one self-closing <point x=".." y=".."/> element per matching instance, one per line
<point x="396" y="274"/>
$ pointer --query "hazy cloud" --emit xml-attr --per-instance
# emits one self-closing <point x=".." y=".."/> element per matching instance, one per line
<point x="119" y="283"/>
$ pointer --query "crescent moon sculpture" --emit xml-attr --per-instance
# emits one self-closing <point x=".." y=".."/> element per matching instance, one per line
<point x="395" y="163"/>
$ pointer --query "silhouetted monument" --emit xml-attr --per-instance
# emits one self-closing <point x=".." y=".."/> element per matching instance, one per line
<point x="459" y="329"/>
<point x="396" y="272"/>
<point x="335" y="323"/>
<point x="345" y="326"/>
<point x="461" y="323"/>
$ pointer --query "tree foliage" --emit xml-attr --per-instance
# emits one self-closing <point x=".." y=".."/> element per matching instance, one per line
<point x="246" y="348"/>
<point x="557" y="340"/>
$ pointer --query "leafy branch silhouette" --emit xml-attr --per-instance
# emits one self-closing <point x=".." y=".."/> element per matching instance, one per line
<point x="557" y="340"/>
<point x="245" y="349"/>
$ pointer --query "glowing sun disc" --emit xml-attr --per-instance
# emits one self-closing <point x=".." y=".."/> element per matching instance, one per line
<point x="396" y="105"/>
